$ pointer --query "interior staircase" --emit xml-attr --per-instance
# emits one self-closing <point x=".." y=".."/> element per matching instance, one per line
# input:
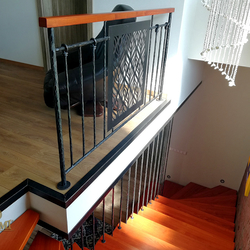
<point x="187" y="218"/>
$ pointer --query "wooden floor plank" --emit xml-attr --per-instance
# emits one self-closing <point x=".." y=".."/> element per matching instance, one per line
<point x="194" y="217"/>
<point x="171" y="236"/>
<point x="20" y="232"/>
<point x="170" y="188"/>
<point x="189" y="190"/>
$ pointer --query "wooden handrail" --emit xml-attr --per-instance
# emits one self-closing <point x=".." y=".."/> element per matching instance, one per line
<point x="59" y="21"/>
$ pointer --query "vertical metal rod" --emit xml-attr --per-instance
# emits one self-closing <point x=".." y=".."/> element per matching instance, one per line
<point x="150" y="173"/>
<point x="148" y="60"/>
<point x="145" y="179"/>
<point x="158" y="165"/>
<point x="154" y="156"/>
<point x="68" y="102"/>
<point x="153" y="63"/>
<point x="139" y="194"/>
<point x="103" y="221"/>
<point x="129" y="174"/>
<point x="71" y="243"/>
<point x="94" y="92"/>
<point x="82" y="100"/>
<point x="93" y="230"/>
<point x="113" y="212"/>
<point x="82" y="240"/>
<point x="158" y="63"/>
<point x="165" y="54"/>
<point x="135" y="177"/>
<point x="121" y="199"/>
<point x="64" y="184"/>
<point x="104" y="81"/>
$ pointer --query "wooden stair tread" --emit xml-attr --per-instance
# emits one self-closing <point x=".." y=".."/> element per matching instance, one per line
<point x="184" y="228"/>
<point x="188" y="190"/>
<point x="216" y="191"/>
<point x="44" y="242"/>
<point x="133" y="238"/>
<point x="21" y="230"/>
<point x="228" y="200"/>
<point x="223" y="212"/>
<point x="193" y="216"/>
<point x="171" y="236"/>
<point x="75" y="247"/>
<point x="170" y="188"/>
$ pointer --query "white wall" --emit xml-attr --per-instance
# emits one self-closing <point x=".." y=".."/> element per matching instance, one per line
<point x="199" y="31"/>
<point x="213" y="128"/>
<point x="19" y="32"/>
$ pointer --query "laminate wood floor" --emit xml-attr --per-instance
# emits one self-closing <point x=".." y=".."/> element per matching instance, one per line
<point x="28" y="142"/>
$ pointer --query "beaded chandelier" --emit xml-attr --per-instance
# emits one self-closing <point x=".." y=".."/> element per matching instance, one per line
<point x="227" y="30"/>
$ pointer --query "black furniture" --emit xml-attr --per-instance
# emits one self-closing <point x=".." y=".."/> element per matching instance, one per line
<point x="74" y="71"/>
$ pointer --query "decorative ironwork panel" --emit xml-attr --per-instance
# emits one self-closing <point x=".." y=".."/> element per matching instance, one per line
<point x="127" y="58"/>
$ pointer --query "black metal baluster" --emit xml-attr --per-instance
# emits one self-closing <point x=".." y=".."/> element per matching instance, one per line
<point x="153" y="63"/>
<point x="63" y="184"/>
<point x="104" y="81"/>
<point x="71" y="243"/>
<point x="93" y="226"/>
<point x="150" y="173"/>
<point x="113" y="213"/>
<point x="94" y="91"/>
<point x="139" y="194"/>
<point x="121" y="199"/>
<point x="82" y="100"/>
<point x="145" y="179"/>
<point x="154" y="156"/>
<point x="103" y="221"/>
<point x="158" y="63"/>
<point x="148" y="60"/>
<point x="65" y="53"/>
<point x="158" y="165"/>
<point x="167" y="27"/>
<point x="133" y="202"/>
<point x="129" y="174"/>
<point x="82" y="239"/>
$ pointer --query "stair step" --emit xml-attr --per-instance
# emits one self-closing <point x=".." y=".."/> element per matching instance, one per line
<point x="194" y="217"/>
<point x="223" y="212"/>
<point x="75" y="247"/>
<point x="216" y="191"/>
<point x="21" y="229"/>
<point x="44" y="242"/>
<point x="188" y="190"/>
<point x="184" y="228"/>
<point x="171" y="236"/>
<point x="133" y="238"/>
<point x="170" y="188"/>
<point x="228" y="200"/>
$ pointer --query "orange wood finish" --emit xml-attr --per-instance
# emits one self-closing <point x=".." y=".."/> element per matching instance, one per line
<point x="171" y="236"/>
<point x="59" y="21"/>
<point x="196" y="218"/>
<point x="44" y="242"/>
<point x="228" y="200"/>
<point x="181" y="227"/>
<point x="188" y="190"/>
<point x="216" y="191"/>
<point x="223" y="212"/>
<point x="170" y="188"/>
<point x="21" y="230"/>
<point x="75" y="247"/>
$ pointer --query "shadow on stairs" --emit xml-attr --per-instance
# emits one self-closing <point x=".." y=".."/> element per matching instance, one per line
<point x="187" y="218"/>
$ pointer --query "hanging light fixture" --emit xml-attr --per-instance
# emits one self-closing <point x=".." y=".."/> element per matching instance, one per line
<point x="227" y="30"/>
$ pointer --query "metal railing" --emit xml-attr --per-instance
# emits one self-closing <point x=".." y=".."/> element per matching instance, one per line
<point x="141" y="183"/>
<point x="135" y="69"/>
